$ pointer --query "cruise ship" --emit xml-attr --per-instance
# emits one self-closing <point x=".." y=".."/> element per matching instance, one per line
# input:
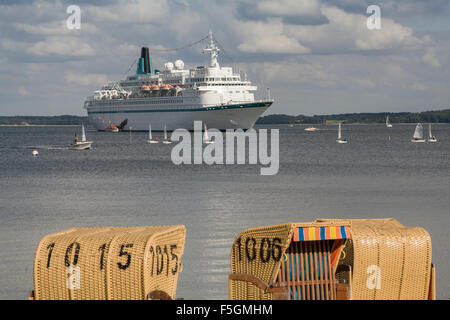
<point x="175" y="97"/>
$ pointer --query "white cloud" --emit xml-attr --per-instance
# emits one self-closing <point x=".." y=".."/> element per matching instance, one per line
<point x="62" y="46"/>
<point x="54" y="28"/>
<point x="291" y="71"/>
<point x="138" y="11"/>
<point x="127" y="49"/>
<point x="364" y="83"/>
<point x="289" y="7"/>
<point x="32" y="69"/>
<point x="430" y="58"/>
<point x="418" y="86"/>
<point x="12" y="45"/>
<point x="86" y="80"/>
<point x="22" y="91"/>
<point x="268" y="37"/>
<point x="331" y="62"/>
<point x="348" y="32"/>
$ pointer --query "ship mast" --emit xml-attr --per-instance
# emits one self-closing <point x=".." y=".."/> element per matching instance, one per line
<point x="213" y="51"/>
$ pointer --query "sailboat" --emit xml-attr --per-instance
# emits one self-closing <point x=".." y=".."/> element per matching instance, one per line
<point x="83" y="144"/>
<point x="340" y="139"/>
<point x="150" y="139"/>
<point x="206" y="138"/>
<point x="166" y="140"/>
<point x="387" y="122"/>
<point x="431" y="138"/>
<point x="418" y="134"/>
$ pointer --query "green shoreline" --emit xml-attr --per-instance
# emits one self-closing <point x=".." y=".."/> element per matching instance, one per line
<point x="439" y="116"/>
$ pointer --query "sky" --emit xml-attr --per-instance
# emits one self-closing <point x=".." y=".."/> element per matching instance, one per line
<point x="316" y="56"/>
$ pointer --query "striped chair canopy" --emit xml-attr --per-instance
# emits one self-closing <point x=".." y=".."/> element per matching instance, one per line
<point x="321" y="233"/>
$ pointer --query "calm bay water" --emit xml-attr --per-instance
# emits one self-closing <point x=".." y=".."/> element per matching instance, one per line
<point x="123" y="182"/>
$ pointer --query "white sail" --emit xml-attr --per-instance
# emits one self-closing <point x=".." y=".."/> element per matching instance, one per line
<point x="83" y="134"/>
<point x="387" y="122"/>
<point x="418" y="134"/>
<point x="339" y="132"/>
<point x="429" y="131"/>
<point x="165" y="133"/>
<point x="149" y="131"/>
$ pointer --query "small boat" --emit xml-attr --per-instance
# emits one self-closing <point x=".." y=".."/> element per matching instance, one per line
<point x="83" y="144"/>
<point x="340" y="139"/>
<point x="166" y="140"/>
<point x="431" y="138"/>
<point x="387" y="122"/>
<point x="311" y="129"/>
<point x="206" y="138"/>
<point x="35" y="153"/>
<point x="112" y="128"/>
<point x="418" y="134"/>
<point x="150" y="139"/>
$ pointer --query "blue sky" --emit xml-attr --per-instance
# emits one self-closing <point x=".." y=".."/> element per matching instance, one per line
<point x="317" y="56"/>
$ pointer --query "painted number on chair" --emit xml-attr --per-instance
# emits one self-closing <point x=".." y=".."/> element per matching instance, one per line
<point x="374" y="280"/>
<point x="73" y="255"/>
<point x="263" y="250"/>
<point x="164" y="260"/>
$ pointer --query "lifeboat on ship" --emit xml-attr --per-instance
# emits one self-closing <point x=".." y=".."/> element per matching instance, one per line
<point x="154" y="89"/>
<point x="165" y="88"/>
<point x="145" y="88"/>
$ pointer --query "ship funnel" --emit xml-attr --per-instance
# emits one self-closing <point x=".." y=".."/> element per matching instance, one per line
<point x="146" y="66"/>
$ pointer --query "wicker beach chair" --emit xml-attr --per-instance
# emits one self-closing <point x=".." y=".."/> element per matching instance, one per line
<point x="134" y="263"/>
<point x="332" y="260"/>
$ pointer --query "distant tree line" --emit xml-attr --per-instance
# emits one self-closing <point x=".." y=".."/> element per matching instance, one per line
<point x="440" y="116"/>
<point x="43" y="120"/>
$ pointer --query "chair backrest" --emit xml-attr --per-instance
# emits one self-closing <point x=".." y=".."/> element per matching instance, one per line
<point x="333" y="259"/>
<point x="108" y="263"/>
<point x="388" y="260"/>
<point x="307" y="272"/>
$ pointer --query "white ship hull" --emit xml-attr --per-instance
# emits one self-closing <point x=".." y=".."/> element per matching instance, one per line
<point x="219" y="117"/>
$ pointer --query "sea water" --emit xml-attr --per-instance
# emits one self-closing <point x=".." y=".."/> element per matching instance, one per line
<point x="123" y="181"/>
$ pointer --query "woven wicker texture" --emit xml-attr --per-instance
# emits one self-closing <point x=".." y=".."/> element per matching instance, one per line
<point x="389" y="261"/>
<point x="386" y="261"/>
<point x="259" y="252"/>
<point x="108" y="263"/>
